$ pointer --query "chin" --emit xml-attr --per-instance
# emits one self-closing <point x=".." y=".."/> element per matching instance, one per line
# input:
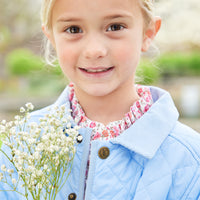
<point x="99" y="91"/>
<point x="96" y="89"/>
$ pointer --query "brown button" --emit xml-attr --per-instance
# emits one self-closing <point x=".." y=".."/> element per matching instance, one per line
<point x="104" y="152"/>
<point x="72" y="196"/>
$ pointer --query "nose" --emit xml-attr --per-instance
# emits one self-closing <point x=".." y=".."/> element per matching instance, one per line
<point x="94" y="48"/>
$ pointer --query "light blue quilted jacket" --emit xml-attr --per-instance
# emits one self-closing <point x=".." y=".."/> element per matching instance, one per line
<point x="157" y="158"/>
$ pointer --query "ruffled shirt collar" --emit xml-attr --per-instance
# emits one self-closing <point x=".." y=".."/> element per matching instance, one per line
<point x="113" y="129"/>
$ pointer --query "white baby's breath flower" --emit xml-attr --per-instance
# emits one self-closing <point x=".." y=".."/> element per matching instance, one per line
<point x="66" y="149"/>
<point x="29" y="106"/>
<point x="21" y="173"/>
<point x="14" y="181"/>
<point x="39" y="185"/>
<point x="37" y="155"/>
<point x="3" y="168"/>
<point x="62" y="107"/>
<point x="21" y="122"/>
<point x="33" y="125"/>
<point x="2" y="129"/>
<point x="17" y="117"/>
<point x="56" y="108"/>
<point x="16" y="123"/>
<point x="45" y="167"/>
<point x="69" y="125"/>
<point x="20" y="161"/>
<point x="1" y="176"/>
<point x="57" y="163"/>
<point x="9" y="124"/>
<point x="48" y="116"/>
<point x="39" y="173"/>
<point x="31" y="141"/>
<point x="40" y="151"/>
<point x="42" y="124"/>
<point x="10" y="171"/>
<point x="57" y="123"/>
<point x="69" y="118"/>
<point x="37" y="131"/>
<point x="3" y="122"/>
<point x="76" y="128"/>
<point x="30" y="169"/>
<point x="22" y="110"/>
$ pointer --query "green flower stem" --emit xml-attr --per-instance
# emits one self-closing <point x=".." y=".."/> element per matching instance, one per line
<point x="13" y="191"/>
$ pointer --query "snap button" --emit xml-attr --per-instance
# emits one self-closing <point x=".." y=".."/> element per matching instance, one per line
<point x="104" y="152"/>
<point x="79" y="138"/>
<point x="72" y="196"/>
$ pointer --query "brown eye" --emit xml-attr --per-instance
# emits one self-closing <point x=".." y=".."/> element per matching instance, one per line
<point x="73" y="30"/>
<point x="115" y="27"/>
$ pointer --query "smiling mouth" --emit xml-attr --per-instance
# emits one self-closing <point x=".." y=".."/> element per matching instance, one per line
<point x="96" y="70"/>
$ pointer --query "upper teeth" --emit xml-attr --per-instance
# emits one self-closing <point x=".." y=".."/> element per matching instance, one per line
<point x="96" y="70"/>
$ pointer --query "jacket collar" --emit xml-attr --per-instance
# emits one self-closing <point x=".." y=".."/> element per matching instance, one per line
<point x="147" y="134"/>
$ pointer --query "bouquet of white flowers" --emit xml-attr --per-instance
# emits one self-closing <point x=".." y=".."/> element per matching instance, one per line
<point x="41" y="153"/>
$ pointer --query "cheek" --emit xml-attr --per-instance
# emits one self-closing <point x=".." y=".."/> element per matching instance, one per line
<point x="66" y="55"/>
<point x="128" y="53"/>
<point x="66" y="58"/>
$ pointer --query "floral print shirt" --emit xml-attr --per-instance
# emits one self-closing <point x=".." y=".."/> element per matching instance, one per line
<point x="113" y="129"/>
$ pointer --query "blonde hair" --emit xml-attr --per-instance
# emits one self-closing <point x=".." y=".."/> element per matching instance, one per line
<point x="46" y="11"/>
<point x="45" y="14"/>
<point x="147" y="7"/>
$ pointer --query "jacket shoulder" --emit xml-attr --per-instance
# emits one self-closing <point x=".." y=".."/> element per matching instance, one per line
<point x="188" y="138"/>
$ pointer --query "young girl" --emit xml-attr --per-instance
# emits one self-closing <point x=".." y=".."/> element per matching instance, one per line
<point x="131" y="145"/>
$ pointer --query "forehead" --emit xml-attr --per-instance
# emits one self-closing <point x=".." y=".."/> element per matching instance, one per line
<point x="94" y="7"/>
<point x="87" y="3"/>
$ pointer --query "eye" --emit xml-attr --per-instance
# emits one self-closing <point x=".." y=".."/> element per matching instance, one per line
<point x="115" y="27"/>
<point x="73" y="30"/>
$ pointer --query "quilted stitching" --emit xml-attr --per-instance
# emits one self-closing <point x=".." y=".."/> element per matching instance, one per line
<point x="125" y="184"/>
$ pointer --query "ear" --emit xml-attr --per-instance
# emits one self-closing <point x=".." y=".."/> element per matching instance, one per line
<point x="150" y="33"/>
<point x="49" y="35"/>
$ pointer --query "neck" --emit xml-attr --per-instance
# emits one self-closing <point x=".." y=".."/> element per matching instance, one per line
<point x="109" y="108"/>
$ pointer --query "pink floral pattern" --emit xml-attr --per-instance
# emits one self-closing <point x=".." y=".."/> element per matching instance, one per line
<point x="113" y="129"/>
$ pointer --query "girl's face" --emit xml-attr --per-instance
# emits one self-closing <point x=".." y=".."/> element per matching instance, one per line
<point x="98" y="43"/>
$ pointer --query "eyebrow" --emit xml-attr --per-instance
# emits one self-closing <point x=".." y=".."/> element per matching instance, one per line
<point x="108" y="17"/>
<point x="70" y="19"/>
<point x="116" y="16"/>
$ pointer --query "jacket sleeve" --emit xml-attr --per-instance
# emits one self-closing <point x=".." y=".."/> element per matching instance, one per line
<point x="194" y="188"/>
